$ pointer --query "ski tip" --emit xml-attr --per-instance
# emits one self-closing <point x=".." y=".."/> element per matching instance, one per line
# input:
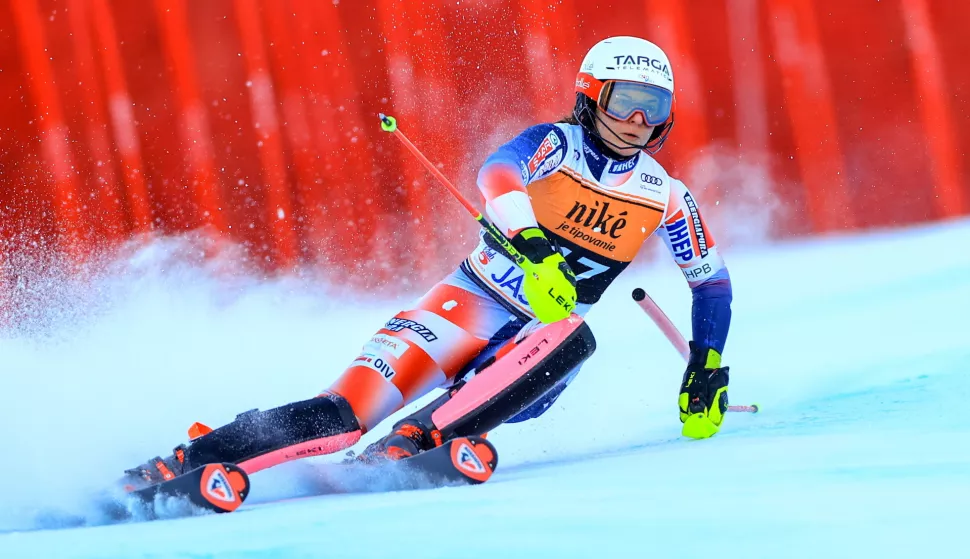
<point x="474" y="457"/>
<point x="224" y="486"/>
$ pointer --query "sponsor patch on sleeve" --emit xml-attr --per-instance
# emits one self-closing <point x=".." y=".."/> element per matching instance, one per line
<point x="548" y="145"/>
<point x="699" y="232"/>
<point x="679" y="235"/>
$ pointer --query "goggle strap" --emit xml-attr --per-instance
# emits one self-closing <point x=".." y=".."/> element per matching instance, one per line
<point x="589" y="86"/>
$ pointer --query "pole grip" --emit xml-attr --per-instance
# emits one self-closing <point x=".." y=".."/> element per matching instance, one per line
<point x="673" y="335"/>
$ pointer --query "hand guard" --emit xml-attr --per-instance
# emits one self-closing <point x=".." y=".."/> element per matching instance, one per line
<point x="549" y="285"/>
<point x="703" y="393"/>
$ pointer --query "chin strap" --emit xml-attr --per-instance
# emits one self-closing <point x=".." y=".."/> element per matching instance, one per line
<point x="590" y="127"/>
<point x="611" y="144"/>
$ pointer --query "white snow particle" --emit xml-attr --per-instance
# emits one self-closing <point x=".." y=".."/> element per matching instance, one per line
<point x="450" y="305"/>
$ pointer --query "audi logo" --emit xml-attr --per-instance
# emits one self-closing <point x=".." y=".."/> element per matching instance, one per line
<point x="650" y="179"/>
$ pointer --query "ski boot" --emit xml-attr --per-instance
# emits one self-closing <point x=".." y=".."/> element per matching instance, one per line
<point x="409" y="437"/>
<point x="257" y="440"/>
<point x="157" y="470"/>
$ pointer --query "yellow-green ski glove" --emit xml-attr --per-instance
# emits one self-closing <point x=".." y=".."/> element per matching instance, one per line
<point x="703" y="393"/>
<point x="549" y="284"/>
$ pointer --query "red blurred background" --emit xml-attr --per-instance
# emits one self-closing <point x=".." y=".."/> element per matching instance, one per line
<point x="255" y="120"/>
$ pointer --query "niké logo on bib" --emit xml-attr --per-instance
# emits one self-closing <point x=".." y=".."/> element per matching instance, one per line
<point x="598" y="218"/>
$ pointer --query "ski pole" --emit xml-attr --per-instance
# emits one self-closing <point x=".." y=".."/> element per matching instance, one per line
<point x="389" y="124"/>
<point x="673" y="335"/>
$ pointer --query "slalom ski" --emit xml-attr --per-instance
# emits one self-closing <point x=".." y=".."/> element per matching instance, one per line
<point x="219" y="487"/>
<point x="460" y="461"/>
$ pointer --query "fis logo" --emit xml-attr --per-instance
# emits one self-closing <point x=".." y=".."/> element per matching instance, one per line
<point x="486" y="256"/>
<point x="619" y="167"/>
<point x="549" y="144"/>
<point x="679" y="235"/>
<point x="581" y="83"/>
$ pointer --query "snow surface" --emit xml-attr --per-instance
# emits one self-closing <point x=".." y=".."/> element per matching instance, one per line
<point x="855" y="346"/>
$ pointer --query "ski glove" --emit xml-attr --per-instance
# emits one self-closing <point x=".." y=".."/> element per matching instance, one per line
<point x="703" y="393"/>
<point x="549" y="285"/>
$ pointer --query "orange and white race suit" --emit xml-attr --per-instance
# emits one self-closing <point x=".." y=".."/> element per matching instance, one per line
<point x="598" y="211"/>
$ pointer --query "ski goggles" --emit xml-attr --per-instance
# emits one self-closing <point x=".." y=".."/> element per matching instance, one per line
<point x="622" y="99"/>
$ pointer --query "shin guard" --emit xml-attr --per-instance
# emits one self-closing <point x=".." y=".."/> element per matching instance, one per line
<point x="514" y="381"/>
<point x="521" y="373"/>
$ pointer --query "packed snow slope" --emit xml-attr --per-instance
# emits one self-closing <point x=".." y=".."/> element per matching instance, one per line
<point x="856" y="347"/>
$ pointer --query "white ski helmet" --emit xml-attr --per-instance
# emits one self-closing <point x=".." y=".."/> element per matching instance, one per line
<point x="623" y="76"/>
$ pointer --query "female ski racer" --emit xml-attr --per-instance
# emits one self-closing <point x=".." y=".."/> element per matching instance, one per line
<point x="577" y="198"/>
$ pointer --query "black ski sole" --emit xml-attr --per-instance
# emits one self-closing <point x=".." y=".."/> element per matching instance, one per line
<point x="219" y="487"/>
<point x="226" y="488"/>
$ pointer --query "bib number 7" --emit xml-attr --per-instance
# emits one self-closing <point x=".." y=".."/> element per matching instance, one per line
<point x="595" y="268"/>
